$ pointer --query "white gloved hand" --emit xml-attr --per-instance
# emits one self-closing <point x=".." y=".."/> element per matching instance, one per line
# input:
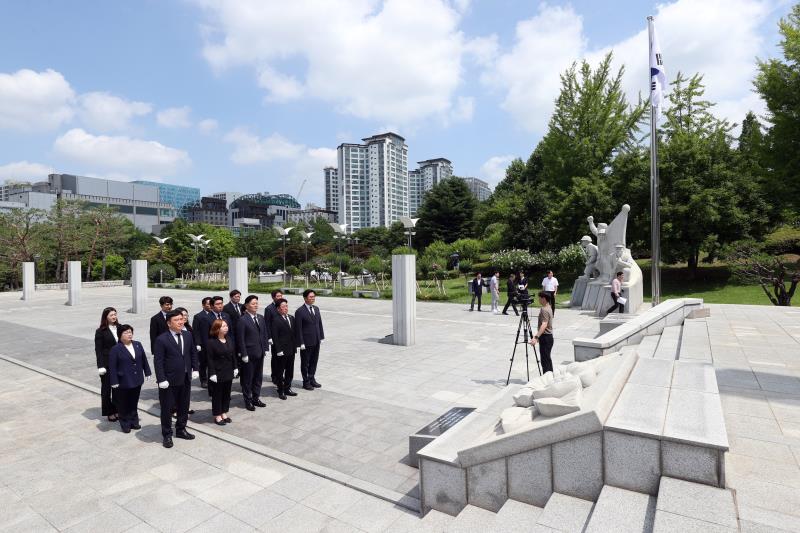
<point x="236" y="372"/>
<point x="101" y="371"/>
<point x="195" y="374"/>
<point x="163" y="385"/>
<point x="266" y="353"/>
<point x="302" y="346"/>
<point x="270" y="340"/>
<point x="280" y="354"/>
<point x="148" y="377"/>
<point x="199" y="348"/>
<point x="245" y="359"/>
<point x="115" y="386"/>
<point x="213" y="378"/>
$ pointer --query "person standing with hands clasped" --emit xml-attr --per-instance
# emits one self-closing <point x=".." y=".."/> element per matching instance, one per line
<point x="128" y="368"/>
<point x="105" y="338"/>
<point x="252" y="337"/>
<point x="550" y="286"/>
<point x="616" y="294"/>
<point x="544" y="332"/>
<point x="309" y="335"/>
<point x="283" y="348"/>
<point x="222" y="370"/>
<point x="476" y="288"/>
<point x="176" y="365"/>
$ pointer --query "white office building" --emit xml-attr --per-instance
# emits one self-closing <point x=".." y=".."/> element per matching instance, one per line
<point x="373" y="181"/>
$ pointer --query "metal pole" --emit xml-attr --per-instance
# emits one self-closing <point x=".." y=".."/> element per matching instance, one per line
<point x="655" y="216"/>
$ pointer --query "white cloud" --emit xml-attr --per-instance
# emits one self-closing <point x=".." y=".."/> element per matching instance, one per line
<point x="382" y="61"/>
<point x="175" y="117"/>
<point x="35" y="101"/>
<point x="250" y="148"/>
<point x="23" y="170"/>
<point x="121" y="155"/>
<point x="463" y="110"/>
<point x="207" y="125"/>
<point x="494" y="169"/>
<point x="106" y="112"/>
<point x="718" y="38"/>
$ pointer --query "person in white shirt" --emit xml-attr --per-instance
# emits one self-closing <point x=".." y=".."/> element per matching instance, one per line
<point x="616" y="292"/>
<point x="550" y="286"/>
<point x="494" y="289"/>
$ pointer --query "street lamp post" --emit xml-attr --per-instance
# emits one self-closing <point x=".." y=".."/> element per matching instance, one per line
<point x="340" y="233"/>
<point x="196" y="240"/>
<point x="409" y="224"/>
<point x="284" y="232"/>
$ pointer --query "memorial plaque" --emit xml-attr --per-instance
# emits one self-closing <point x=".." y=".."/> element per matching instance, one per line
<point x="426" y="435"/>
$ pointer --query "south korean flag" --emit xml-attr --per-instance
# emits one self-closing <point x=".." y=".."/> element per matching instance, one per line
<point x="658" y="78"/>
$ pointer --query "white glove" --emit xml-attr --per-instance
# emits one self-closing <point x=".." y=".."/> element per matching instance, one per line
<point x="199" y="348"/>
<point x="266" y="353"/>
<point x="270" y="340"/>
<point x="302" y="346"/>
<point x="195" y="374"/>
<point x="236" y="372"/>
<point x="245" y="359"/>
<point x="280" y="354"/>
<point x="115" y="386"/>
<point x="101" y="371"/>
<point x="163" y="385"/>
<point x="148" y="378"/>
<point x="213" y="378"/>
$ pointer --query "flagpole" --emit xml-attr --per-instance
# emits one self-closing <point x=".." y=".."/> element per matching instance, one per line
<point x="655" y="215"/>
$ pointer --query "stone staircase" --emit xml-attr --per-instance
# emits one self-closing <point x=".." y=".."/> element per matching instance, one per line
<point x="679" y="507"/>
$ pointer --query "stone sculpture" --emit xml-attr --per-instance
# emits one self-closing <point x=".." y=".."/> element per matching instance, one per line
<point x="590" y="250"/>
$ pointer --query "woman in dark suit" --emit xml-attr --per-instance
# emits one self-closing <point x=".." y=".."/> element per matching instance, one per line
<point x="222" y="369"/>
<point x="128" y="368"/>
<point x="105" y="338"/>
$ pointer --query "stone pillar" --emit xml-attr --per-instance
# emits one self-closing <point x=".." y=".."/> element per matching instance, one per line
<point x="28" y="280"/>
<point x="237" y="275"/>
<point x="139" y="286"/>
<point x="404" y="299"/>
<point x="73" y="283"/>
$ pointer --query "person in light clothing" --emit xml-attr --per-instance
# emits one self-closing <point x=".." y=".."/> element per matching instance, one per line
<point x="550" y="286"/>
<point x="494" y="289"/>
<point x="544" y="332"/>
<point x="616" y="292"/>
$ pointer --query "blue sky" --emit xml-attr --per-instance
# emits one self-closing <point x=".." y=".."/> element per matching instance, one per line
<point x="256" y="95"/>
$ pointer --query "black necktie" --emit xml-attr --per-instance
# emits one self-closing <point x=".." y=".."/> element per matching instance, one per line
<point x="219" y="317"/>
<point x="255" y="319"/>
<point x="287" y="321"/>
<point x="180" y="342"/>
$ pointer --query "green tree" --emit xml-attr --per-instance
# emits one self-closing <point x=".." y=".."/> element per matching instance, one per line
<point x="447" y="213"/>
<point x="778" y="83"/>
<point x="22" y="238"/>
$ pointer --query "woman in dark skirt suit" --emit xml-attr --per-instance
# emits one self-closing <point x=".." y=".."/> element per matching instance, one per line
<point x="127" y="370"/>
<point x="221" y="370"/>
<point x="105" y="338"/>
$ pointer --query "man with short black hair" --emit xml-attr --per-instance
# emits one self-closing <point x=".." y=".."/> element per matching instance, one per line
<point x="550" y="286"/>
<point x="309" y="335"/>
<point x="201" y="324"/>
<point x="283" y="349"/>
<point x="176" y="365"/>
<point x="476" y="288"/>
<point x="494" y="289"/>
<point x="616" y="292"/>
<point x="234" y="308"/>
<point x="511" y="294"/>
<point x="544" y="332"/>
<point x="270" y="312"/>
<point x="253" y="342"/>
<point x="158" y="322"/>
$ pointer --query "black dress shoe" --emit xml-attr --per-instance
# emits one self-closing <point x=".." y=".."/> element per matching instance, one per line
<point x="126" y="430"/>
<point x="167" y="443"/>
<point x="190" y="412"/>
<point x="290" y="392"/>
<point x="503" y="313"/>
<point x="219" y="422"/>
<point x="250" y="407"/>
<point x="227" y="420"/>
<point x="259" y="403"/>
<point x="308" y="387"/>
<point x="204" y="384"/>
<point x="282" y="396"/>
<point x="136" y="426"/>
<point x="315" y="384"/>
<point x="183" y="434"/>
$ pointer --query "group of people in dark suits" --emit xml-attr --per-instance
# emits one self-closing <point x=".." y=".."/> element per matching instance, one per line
<point x="222" y="342"/>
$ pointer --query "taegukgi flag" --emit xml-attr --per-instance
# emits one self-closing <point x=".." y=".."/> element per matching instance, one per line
<point x="658" y="78"/>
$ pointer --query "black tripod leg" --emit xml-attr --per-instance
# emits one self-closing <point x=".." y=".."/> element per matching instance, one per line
<point x="513" y="353"/>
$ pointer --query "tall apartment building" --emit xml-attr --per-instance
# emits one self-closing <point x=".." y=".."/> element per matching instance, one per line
<point x="479" y="188"/>
<point x="420" y="181"/>
<point x="373" y="181"/>
<point x="415" y="191"/>
<point x="332" y="190"/>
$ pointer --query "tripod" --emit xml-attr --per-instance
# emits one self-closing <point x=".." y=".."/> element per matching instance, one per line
<point x="527" y="333"/>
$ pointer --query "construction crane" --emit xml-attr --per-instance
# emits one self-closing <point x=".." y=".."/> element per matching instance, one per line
<point x="301" y="190"/>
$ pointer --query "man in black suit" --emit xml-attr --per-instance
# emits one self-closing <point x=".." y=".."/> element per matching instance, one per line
<point x="253" y="343"/>
<point x="176" y="364"/>
<point x="511" y="294"/>
<point x="270" y="312"/>
<point x="283" y="349"/>
<point x="218" y="313"/>
<point x="234" y="308"/>
<point x="158" y="323"/>
<point x="309" y="335"/>
<point x="201" y="323"/>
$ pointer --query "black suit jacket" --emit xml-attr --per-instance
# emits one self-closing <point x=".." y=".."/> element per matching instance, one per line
<point x="283" y="335"/>
<point x="158" y="325"/>
<point x="124" y="370"/>
<point x="270" y="313"/>
<point x="309" y="328"/>
<point x="103" y="342"/>
<point x="511" y="287"/>
<point x="476" y="286"/>
<point x="221" y="359"/>
<point x="252" y="341"/>
<point x="230" y="308"/>
<point x="172" y="365"/>
<point x="201" y="324"/>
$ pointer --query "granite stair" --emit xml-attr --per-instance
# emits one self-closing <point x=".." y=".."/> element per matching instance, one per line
<point x="565" y="513"/>
<point x="685" y="506"/>
<point x="622" y="511"/>
<point x="472" y="519"/>
<point x="669" y="344"/>
<point x="516" y="517"/>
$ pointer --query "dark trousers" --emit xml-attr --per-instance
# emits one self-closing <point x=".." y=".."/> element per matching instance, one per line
<point x="616" y="305"/>
<point x="221" y="397"/>
<point x="174" y="396"/>
<point x="107" y="404"/>
<point x="308" y="363"/>
<point x="472" y="303"/>
<point x="512" y="304"/>
<point x="284" y="371"/>
<point x="252" y="377"/>
<point x="545" y="347"/>
<point x="203" y="358"/>
<point x="128" y="405"/>
<point x="273" y="370"/>
<point x="551" y="297"/>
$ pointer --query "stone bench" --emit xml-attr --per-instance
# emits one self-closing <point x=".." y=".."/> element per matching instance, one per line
<point x="653" y="321"/>
<point x="292" y="290"/>
<point x="614" y="320"/>
<point x="366" y="294"/>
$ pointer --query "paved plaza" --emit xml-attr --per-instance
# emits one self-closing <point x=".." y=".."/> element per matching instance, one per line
<point x="334" y="459"/>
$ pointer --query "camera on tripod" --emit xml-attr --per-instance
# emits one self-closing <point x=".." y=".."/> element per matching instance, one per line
<point x="522" y="297"/>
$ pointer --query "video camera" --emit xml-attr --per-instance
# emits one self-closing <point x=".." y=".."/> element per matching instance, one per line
<point x="523" y="297"/>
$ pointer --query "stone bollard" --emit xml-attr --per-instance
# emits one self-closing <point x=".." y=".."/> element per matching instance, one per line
<point x="237" y="275"/>
<point x="28" y="280"/>
<point x="404" y="299"/>
<point x="139" y="286"/>
<point x="74" y="283"/>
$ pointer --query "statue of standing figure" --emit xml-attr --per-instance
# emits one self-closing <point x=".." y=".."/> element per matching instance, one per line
<point x="590" y="250"/>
